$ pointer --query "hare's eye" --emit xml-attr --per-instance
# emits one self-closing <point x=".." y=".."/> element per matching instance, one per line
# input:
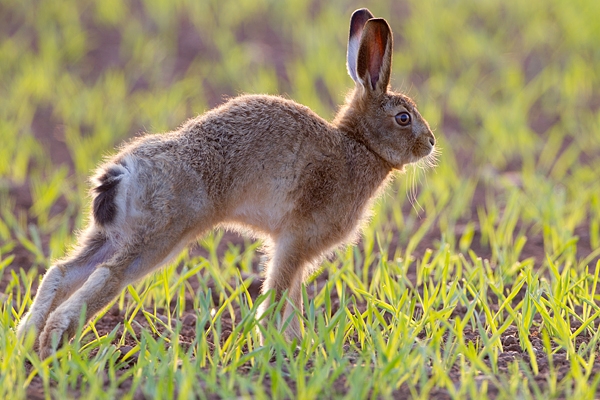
<point x="403" y="118"/>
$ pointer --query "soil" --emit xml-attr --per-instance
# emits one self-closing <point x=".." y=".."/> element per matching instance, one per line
<point x="49" y="132"/>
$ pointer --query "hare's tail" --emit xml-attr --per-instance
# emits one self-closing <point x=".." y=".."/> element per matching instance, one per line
<point x="105" y="192"/>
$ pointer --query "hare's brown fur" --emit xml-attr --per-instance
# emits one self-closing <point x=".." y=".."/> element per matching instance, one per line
<point x="260" y="164"/>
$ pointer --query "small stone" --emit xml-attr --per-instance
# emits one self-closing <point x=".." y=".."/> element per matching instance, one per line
<point x="115" y="312"/>
<point x="126" y="349"/>
<point x="189" y="320"/>
<point x="510" y="340"/>
<point x="513" y="347"/>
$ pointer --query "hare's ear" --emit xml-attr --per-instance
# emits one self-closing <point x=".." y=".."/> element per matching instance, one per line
<point x="357" y="23"/>
<point x="374" y="63"/>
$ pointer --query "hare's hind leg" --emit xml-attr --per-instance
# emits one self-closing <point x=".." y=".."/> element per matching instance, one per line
<point x="129" y="263"/>
<point x="64" y="278"/>
<point x="97" y="291"/>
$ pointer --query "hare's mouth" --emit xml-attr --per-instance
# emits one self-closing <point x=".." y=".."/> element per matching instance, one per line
<point x="425" y="153"/>
<point x="421" y="150"/>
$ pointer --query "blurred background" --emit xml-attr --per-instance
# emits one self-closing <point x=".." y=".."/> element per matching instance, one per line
<point x="511" y="88"/>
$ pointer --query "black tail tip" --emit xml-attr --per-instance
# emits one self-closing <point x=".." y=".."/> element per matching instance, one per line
<point x="104" y="207"/>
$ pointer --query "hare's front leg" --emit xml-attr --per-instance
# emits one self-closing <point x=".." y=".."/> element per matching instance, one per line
<point x="285" y="272"/>
<point x="63" y="279"/>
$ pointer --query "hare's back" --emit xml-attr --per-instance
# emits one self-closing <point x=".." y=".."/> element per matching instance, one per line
<point x="260" y="136"/>
<point x="267" y="121"/>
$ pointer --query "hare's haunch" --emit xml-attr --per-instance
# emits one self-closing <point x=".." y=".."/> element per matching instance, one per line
<point x="262" y="164"/>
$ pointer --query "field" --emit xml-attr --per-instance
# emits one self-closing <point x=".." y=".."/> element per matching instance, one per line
<point x="476" y="279"/>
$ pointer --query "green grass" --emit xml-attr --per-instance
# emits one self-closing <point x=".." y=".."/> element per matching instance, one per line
<point x="502" y="237"/>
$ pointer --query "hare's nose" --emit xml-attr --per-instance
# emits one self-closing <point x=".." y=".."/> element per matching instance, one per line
<point x="432" y="141"/>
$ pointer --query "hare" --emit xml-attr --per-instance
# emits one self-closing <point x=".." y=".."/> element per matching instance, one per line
<point x="260" y="164"/>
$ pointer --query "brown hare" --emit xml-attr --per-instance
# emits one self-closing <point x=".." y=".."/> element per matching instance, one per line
<point x="260" y="164"/>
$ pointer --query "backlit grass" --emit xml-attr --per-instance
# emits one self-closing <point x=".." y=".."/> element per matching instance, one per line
<point x="501" y="239"/>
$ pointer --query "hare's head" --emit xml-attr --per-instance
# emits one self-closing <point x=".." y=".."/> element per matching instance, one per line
<point x="385" y="121"/>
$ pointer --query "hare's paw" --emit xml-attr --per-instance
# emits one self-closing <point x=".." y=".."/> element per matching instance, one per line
<point x="293" y="331"/>
<point x="29" y="325"/>
<point x="60" y="326"/>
